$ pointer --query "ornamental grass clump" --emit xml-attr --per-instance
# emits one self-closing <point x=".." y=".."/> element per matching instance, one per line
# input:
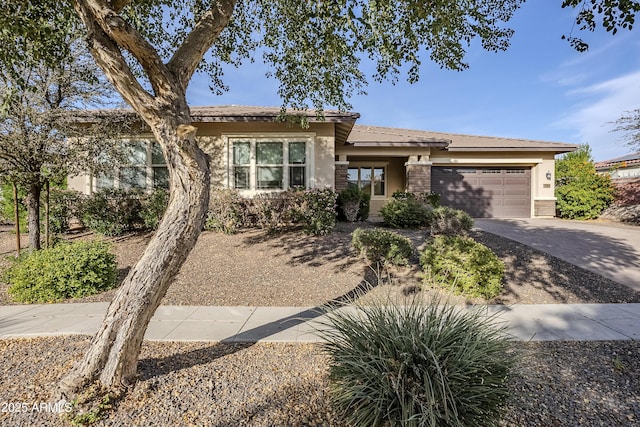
<point x="417" y="365"/>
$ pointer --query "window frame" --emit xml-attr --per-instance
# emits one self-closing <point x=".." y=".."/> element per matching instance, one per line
<point x="372" y="166"/>
<point x="149" y="168"/>
<point x="286" y="166"/>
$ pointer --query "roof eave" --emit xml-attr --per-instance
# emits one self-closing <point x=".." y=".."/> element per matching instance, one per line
<point x="421" y="144"/>
<point x="556" y="150"/>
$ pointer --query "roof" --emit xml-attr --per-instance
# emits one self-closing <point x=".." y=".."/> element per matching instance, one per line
<point x="344" y="120"/>
<point x="629" y="159"/>
<point x="347" y="132"/>
<point x="363" y="135"/>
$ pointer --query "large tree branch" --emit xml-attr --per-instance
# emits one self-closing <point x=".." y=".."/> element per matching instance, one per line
<point x="118" y="5"/>
<point x="206" y="31"/>
<point x="109" y="57"/>
<point x="127" y="37"/>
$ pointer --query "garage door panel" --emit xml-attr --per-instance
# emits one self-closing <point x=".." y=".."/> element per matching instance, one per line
<point x="490" y="182"/>
<point x="485" y="192"/>
<point x="516" y="191"/>
<point x="516" y="181"/>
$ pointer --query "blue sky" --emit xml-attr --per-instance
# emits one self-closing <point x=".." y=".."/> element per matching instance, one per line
<point x="539" y="89"/>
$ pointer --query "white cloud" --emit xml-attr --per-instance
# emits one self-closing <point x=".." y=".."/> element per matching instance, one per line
<point x="598" y="106"/>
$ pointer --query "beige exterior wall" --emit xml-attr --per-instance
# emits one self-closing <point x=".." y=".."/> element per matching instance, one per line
<point x="543" y="189"/>
<point x="81" y="183"/>
<point x="213" y="139"/>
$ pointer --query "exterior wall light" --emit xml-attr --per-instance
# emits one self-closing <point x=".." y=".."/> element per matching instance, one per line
<point x="548" y="175"/>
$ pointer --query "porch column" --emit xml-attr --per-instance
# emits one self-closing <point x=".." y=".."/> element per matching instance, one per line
<point x="418" y="174"/>
<point x="341" y="174"/>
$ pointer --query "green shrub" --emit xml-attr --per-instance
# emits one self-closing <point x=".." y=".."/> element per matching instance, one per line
<point x="432" y="198"/>
<point x="64" y="205"/>
<point x="68" y="270"/>
<point x="228" y="212"/>
<point x="353" y="204"/>
<point x="417" y="365"/>
<point x="153" y="207"/>
<point x="469" y="267"/>
<point x="450" y="222"/>
<point x="406" y="212"/>
<point x="315" y="210"/>
<point x="581" y="192"/>
<point x="382" y="246"/>
<point x="6" y="202"/>
<point x="112" y="212"/>
<point x="273" y="212"/>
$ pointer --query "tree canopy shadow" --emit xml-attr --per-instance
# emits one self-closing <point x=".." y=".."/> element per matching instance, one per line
<point x="529" y="271"/>
<point x="459" y="194"/>
<point x="591" y="246"/>
<point x="153" y="367"/>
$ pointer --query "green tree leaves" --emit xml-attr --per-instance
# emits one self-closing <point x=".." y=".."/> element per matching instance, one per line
<point x="581" y="192"/>
<point x="612" y="14"/>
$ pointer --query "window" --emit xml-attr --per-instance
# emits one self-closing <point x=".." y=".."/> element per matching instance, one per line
<point x="371" y="180"/>
<point x="261" y="164"/>
<point x="146" y="170"/>
<point x="491" y="171"/>
<point x="465" y="171"/>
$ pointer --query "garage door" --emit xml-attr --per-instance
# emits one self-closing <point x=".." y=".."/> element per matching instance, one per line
<point x="485" y="192"/>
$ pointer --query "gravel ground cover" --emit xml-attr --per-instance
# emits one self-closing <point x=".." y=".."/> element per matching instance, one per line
<point x="210" y="384"/>
<point x="293" y="269"/>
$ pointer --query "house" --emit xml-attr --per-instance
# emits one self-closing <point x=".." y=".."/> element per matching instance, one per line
<point x="252" y="152"/>
<point x="625" y="176"/>
<point x="621" y="167"/>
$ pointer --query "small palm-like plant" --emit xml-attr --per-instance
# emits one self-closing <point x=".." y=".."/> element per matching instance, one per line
<point x="417" y="365"/>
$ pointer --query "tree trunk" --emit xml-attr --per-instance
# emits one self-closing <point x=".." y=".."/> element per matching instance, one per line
<point x="16" y="216"/>
<point x="33" y="215"/>
<point x="113" y="355"/>
<point x="47" y="212"/>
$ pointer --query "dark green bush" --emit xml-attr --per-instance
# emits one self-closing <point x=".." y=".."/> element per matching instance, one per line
<point x="432" y="198"/>
<point x="314" y="210"/>
<point x="406" y="212"/>
<point x="64" y="205"/>
<point x="153" y="207"/>
<point x="7" y="207"/>
<point x="450" y="222"/>
<point x="273" y="212"/>
<point x="112" y="212"/>
<point x="228" y="212"/>
<point x="353" y="204"/>
<point x="68" y="270"/>
<point x="581" y="192"/>
<point x="417" y="365"/>
<point x="382" y="246"/>
<point x="466" y="266"/>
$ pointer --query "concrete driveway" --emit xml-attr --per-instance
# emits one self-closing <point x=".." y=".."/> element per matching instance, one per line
<point x="608" y="249"/>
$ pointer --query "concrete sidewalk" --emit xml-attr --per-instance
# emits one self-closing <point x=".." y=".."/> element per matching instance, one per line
<point x="298" y="324"/>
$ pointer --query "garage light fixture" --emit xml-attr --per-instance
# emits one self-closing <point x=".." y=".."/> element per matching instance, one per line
<point x="548" y="175"/>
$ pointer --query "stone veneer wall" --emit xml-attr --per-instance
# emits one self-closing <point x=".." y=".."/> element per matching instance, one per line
<point x="418" y="177"/>
<point x="342" y="176"/>
<point x="544" y="208"/>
